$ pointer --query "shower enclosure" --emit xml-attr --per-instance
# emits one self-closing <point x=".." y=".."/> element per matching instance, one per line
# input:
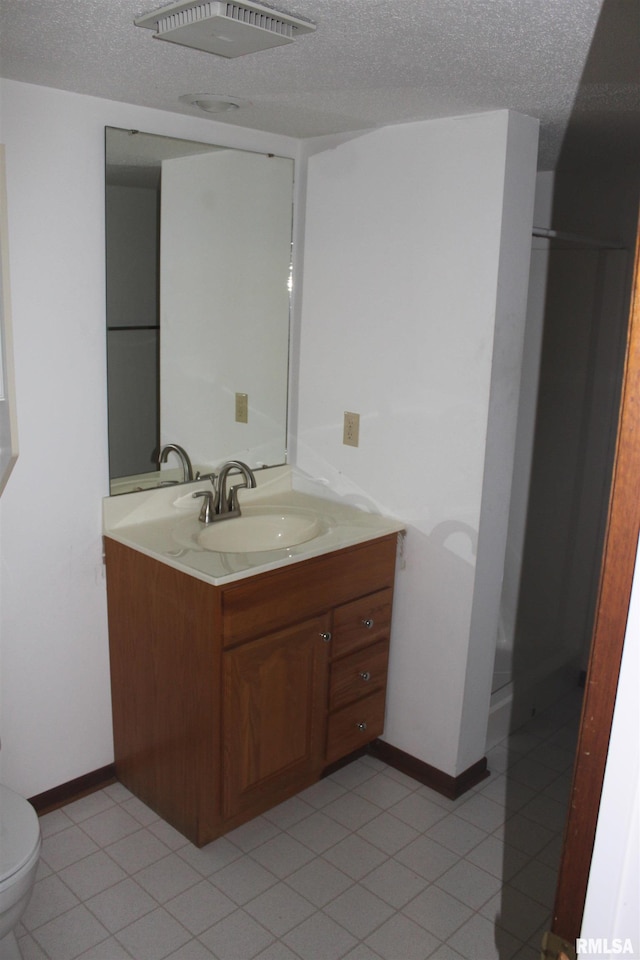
<point x="573" y="354"/>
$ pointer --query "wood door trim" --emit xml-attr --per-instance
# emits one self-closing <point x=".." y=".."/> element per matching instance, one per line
<point x="620" y="549"/>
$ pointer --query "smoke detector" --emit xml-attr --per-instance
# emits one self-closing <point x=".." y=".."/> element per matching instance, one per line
<point x="225" y="29"/>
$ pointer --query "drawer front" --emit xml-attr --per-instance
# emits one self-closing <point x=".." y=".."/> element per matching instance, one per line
<point x="272" y="601"/>
<point x="361" y="622"/>
<point x="355" y="725"/>
<point x="359" y="674"/>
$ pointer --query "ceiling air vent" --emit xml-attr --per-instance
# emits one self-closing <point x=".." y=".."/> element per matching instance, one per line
<point x="226" y="29"/>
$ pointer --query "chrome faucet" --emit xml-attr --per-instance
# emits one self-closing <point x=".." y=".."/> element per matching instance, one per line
<point x="227" y="505"/>
<point x="222" y="504"/>
<point x="187" y="469"/>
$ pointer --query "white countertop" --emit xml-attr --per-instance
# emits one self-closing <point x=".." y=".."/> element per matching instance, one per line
<point x="163" y="524"/>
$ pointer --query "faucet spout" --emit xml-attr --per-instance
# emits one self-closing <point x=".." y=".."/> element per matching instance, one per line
<point x="228" y="505"/>
<point x="187" y="469"/>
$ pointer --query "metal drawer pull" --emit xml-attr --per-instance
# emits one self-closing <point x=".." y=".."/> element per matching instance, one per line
<point x="362" y="725"/>
<point x="326" y="636"/>
<point x="365" y="675"/>
<point x="368" y="623"/>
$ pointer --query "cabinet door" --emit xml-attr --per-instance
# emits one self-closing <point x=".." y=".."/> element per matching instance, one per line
<point x="274" y="717"/>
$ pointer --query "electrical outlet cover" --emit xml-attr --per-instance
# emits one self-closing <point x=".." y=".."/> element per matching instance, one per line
<point x="351" y="432"/>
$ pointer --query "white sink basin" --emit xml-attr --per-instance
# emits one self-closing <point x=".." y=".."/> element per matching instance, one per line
<point x="254" y="532"/>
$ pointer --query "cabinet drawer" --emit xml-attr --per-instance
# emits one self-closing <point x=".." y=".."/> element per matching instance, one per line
<point x="359" y="623"/>
<point x="271" y="601"/>
<point x="359" y="674"/>
<point x="355" y="725"/>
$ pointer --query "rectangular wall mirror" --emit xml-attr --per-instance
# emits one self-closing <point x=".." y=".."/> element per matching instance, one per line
<point x="198" y="300"/>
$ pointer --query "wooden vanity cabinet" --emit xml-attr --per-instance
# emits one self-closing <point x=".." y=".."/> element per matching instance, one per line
<point x="229" y="699"/>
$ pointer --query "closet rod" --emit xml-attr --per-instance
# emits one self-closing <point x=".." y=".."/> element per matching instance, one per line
<point x="576" y="238"/>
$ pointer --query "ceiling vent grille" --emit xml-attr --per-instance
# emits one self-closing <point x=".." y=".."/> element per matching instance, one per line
<point x="225" y="29"/>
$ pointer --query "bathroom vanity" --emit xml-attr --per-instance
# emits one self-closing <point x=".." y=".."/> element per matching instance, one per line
<point x="234" y="690"/>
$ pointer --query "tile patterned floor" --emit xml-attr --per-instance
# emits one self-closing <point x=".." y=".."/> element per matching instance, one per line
<point x="365" y="865"/>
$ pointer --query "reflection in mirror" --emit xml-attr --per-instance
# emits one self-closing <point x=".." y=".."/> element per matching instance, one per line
<point x="198" y="287"/>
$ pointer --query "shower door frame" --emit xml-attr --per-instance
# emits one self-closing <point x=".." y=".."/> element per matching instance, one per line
<point x="618" y="565"/>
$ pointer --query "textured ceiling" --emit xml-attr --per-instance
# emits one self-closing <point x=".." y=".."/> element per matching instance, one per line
<point x="574" y="64"/>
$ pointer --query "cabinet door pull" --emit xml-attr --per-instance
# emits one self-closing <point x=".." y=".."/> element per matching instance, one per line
<point x="365" y="675"/>
<point x="362" y="725"/>
<point x="326" y="636"/>
<point x="368" y="623"/>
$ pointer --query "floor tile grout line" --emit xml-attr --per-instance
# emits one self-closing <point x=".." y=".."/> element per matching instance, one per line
<point x="239" y="907"/>
<point x="355" y="790"/>
<point x="85" y="903"/>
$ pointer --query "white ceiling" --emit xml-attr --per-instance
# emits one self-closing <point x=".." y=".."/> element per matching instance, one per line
<point x="574" y="64"/>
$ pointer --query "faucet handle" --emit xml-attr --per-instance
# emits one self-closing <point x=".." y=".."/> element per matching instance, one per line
<point x="233" y="495"/>
<point x="207" y="512"/>
<point x="206" y="476"/>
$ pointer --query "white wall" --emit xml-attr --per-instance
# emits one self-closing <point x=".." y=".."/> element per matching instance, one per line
<point x="613" y="893"/>
<point x="55" y="716"/>
<point x="413" y="313"/>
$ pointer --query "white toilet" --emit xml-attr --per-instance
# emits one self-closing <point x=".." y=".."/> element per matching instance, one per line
<point x="19" y="852"/>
